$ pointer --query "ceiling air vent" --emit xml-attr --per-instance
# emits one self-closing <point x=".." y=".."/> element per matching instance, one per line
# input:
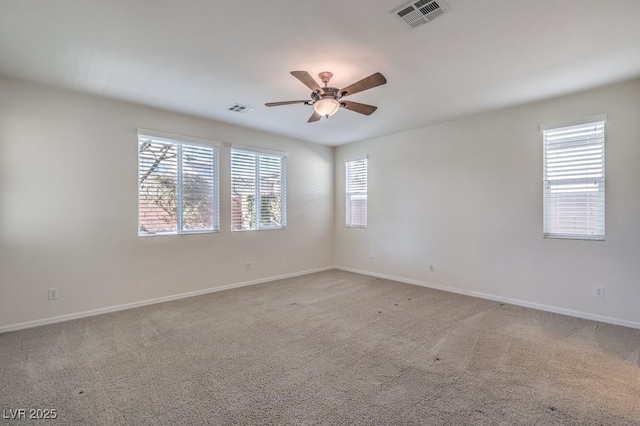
<point x="421" y="12"/>
<point x="243" y="109"/>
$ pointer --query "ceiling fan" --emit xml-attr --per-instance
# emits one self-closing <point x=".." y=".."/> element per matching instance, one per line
<point x="327" y="100"/>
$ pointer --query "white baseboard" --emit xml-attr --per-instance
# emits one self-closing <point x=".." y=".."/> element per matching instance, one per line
<point x="538" y="306"/>
<point x="554" y="309"/>
<point x="99" y="311"/>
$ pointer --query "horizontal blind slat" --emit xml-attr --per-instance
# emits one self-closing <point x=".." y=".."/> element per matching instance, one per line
<point x="356" y="193"/>
<point x="162" y="178"/>
<point x="573" y="177"/>
<point x="257" y="181"/>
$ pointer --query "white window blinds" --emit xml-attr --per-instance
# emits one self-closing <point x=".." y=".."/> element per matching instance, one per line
<point x="356" y="193"/>
<point x="177" y="186"/>
<point x="258" y="190"/>
<point x="574" y="198"/>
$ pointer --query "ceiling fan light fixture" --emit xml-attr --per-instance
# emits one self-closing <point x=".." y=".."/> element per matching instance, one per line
<point x="326" y="107"/>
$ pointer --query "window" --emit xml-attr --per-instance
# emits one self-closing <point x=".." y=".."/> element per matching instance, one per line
<point x="177" y="186"/>
<point x="574" y="181"/>
<point x="356" y="193"/>
<point x="258" y="190"/>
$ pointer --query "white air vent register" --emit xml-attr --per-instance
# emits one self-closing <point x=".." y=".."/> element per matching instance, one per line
<point x="421" y="12"/>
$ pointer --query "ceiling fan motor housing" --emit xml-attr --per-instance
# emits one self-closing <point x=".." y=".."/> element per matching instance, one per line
<point x="327" y="92"/>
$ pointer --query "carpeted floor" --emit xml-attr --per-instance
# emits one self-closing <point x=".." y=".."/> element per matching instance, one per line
<point x="327" y="348"/>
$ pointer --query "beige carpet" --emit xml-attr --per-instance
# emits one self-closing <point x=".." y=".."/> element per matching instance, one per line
<point x="328" y="348"/>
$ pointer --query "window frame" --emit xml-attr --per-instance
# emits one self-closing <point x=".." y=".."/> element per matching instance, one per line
<point x="258" y="154"/>
<point x="180" y="143"/>
<point x="351" y="195"/>
<point x="579" y="176"/>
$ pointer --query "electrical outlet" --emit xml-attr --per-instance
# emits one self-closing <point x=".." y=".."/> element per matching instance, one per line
<point x="53" y="293"/>
<point x="371" y="259"/>
<point x="598" y="292"/>
<point x="432" y="267"/>
<point x="247" y="266"/>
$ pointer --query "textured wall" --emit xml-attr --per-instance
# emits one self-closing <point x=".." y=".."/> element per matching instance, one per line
<point x="68" y="208"/>
<point x="466" y="196"/>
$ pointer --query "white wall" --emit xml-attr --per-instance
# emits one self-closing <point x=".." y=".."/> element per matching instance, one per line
<point x="467" y="197"/>
<point x="68" y="208"/>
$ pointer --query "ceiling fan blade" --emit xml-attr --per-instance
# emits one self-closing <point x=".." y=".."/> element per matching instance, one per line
<point x="358" y="107"/>
<point x="373" y="80"/>
<point x="270" y="104"/>
<point x="314" y="117"/>
<point x="306" y="79"/>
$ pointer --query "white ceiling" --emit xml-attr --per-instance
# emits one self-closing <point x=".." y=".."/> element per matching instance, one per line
<point x="201" y="56"/>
